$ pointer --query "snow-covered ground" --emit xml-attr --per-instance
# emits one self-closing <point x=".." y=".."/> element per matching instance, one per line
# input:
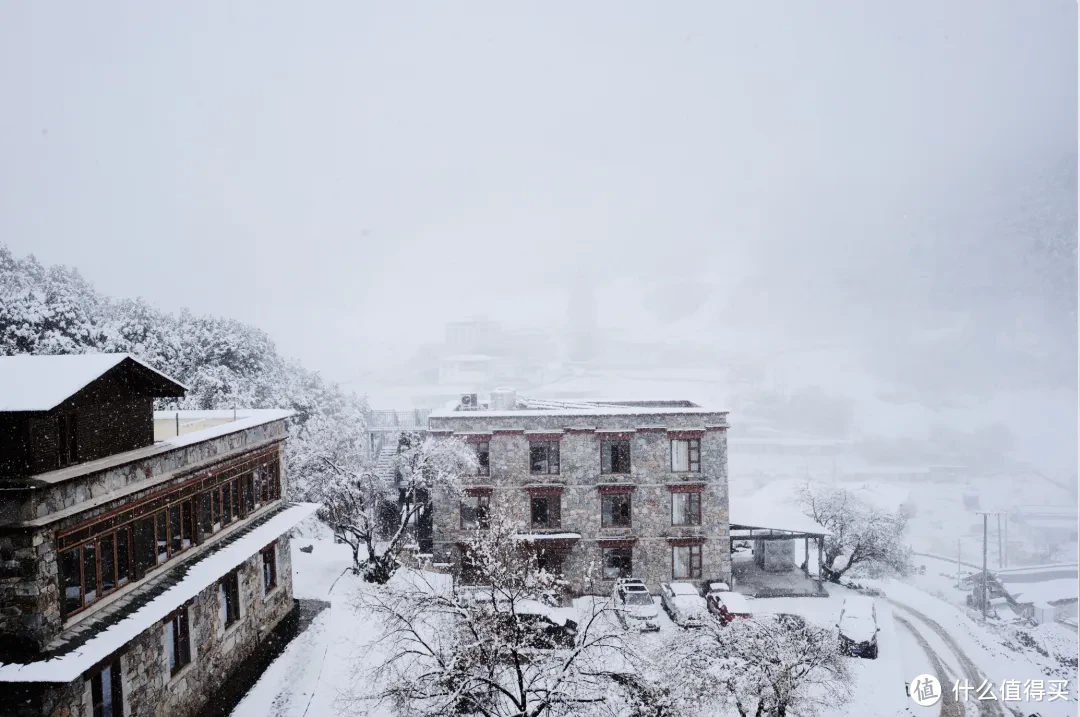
<point x="314" y="674"/>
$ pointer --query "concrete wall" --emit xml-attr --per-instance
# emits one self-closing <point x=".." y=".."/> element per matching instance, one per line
<point x="580" y="477"/>
<point x="148" y="688"/>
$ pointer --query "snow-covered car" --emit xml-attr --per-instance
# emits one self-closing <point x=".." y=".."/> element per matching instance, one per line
<point x="547" y="627"/>
<point x="635" y="606"/>
<point x="858" y="627"/>
<point x="683" y="603"/>
<point x="728" y="606"/>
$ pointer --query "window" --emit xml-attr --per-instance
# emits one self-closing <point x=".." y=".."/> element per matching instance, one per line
<point x="257" y="482"/>
<point x="544" y="457"/>
<point x="187" y="524"/>
<point x="474" y="512"/>
<point x="71" y="580"/>
<point x="615" y="510"/>
<point x="108" y="564"/>
<point x="105" y="692"/>
<point x="685" y="562"/>
<point x="177" y="640"/>
<point x="174" y="528"/>
<point x="269" y="562"/>
<point x="686" y="508"/>
<point x="67" y="439"/>
<point x="95" y="560"/>
<point x="229" y="596"/>
<point x="248" y="493"/>
<point x="546" y="511"/>
<point x="215" y="509"/>
<point x="226" y="505"/>
<point x="206" y="519"/>
<point x="550" y="560"/>
<point x="686" y="455"/>
<point x="123" y="555"/>
<point x="615" y="456"/>
<point x="90" y="576"/>
<point x="145" y="552"/>
<point x="483" y="459"/>
<point x="618" y="563"/>
<point x="162" y="537"/>
<point x="234" y="491"/>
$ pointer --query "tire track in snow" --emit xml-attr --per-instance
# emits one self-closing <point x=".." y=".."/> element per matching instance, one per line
<point x="987" y="708"/>
<point x="949" y="706"/>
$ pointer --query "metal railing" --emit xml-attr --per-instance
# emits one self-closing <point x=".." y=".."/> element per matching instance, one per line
<point x="415" y="419"/>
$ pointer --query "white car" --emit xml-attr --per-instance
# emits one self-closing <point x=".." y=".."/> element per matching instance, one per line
<point x="683" y="603"/>
<point x="858" y="627"/>
<point x="635" y="605"/>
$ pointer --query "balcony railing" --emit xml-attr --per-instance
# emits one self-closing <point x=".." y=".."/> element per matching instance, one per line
<point x="398" y="420"/>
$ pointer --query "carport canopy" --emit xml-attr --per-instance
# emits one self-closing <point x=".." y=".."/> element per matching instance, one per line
<point x="770" y="520"/>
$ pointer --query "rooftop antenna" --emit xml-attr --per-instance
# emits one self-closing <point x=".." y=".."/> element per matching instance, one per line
<point x="177" y="424"/>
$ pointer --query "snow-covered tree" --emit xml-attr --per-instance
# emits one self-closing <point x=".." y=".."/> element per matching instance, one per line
<point x="373" y="509"/>
<point x="861" y="536"/>
<point x="765" y="666"/>
<point x="225" y="364"/>
<point x="477" y="650"/>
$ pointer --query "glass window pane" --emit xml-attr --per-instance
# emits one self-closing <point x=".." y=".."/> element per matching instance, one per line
<point x="215" y="508"/>
<point x="90" y="571"/>
<point x="70" y="580"/>
<point x="170" y="643"/>
<point x="234" y="490"/>
<point x="145" y="551"/>
<point x="174" y="529"/>
<point x="680" y="456"/>
<point x="678" y="508"/>
<point x="538" y="458"/>
<point x="162" y="537"/>
<point x="186" y="523"/>
<point x="540" y="511"/>
<point x="226" y="505"/>
<point x="107" y="691"/>
<point x="206" y="522"/>
<point x="123" y="548"/>
<point x="108" y="564"/>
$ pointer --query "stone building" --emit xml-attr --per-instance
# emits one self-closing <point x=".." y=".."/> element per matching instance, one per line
<point x="601" y="490"/>
<point x="143" y="556"/>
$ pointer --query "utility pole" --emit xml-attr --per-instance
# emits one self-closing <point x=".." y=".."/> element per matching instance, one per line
<point x="1006" y="540"/>
<point x="985" y="575"/>
<point x="1001" y="553"/>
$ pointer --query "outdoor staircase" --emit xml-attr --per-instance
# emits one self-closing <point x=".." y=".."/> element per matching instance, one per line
<point x="384" y="461"/>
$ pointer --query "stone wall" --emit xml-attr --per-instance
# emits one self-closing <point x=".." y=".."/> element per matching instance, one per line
<point x="29" y="594"/>
<point x="580" y="477"/>
<point x="29" y="586"/>
<point x="148" y="688"/>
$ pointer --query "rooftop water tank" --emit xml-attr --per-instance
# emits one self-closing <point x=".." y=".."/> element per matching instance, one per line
<point x="503" y="399"/>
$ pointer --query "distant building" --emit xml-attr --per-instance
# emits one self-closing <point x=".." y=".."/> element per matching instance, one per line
<point x="634" y="489"/>
<point x="143" y="556"/>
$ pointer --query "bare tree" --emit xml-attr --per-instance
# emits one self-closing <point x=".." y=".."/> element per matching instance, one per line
<point x="766" y="666"/>
<point x="481" y="649"/>
<point x="373" y="511"/>
<point x="860" y="535"/>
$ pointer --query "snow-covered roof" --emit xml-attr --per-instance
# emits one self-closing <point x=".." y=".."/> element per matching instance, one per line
<point x="531" y="407"/>
<point x="201" y="574"/>
<point x="532" y="537"/>
<point x="766" y="512"/>
<point x="41" y="383"/>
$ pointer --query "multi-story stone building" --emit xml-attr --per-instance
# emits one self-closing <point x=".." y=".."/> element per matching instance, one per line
<point x="601" y="489"/>
<point x="143" y="556"/>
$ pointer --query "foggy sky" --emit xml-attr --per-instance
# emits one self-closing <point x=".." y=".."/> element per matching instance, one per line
<point x="335" y="172"/>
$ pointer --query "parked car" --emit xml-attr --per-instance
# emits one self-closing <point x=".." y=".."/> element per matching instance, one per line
<point x="547" y="628"/>
<point x="635" y="605"/>
<point x="683" y="603"/>
<point x="859" y="627"/>
<point x="727" y="606"/>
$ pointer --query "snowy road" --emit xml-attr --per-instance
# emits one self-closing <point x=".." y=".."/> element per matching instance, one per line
<point x="949" y="660"/>
<point x="927" y="662"/>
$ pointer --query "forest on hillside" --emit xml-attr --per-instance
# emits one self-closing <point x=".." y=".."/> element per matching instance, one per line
<point x="225" y="363"/>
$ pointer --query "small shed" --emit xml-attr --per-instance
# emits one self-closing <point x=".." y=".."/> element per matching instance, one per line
<point x="775" y="528"/>
<point x="57" y="411"/>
